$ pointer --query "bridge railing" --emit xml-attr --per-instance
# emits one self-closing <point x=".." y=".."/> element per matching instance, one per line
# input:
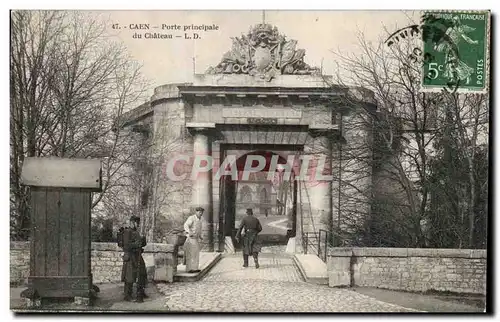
<point x="310" y="242"/>
<point x="320" y="242"/>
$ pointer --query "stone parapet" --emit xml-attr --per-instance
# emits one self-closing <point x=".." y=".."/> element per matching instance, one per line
<point x="106" y="259"/>
<point x="406" y="252"/>
<point x="168" y="91"/>
<point x="409" y="269"/>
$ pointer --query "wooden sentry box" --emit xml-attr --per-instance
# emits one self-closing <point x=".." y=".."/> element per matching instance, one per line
<point x="61" y="199"/>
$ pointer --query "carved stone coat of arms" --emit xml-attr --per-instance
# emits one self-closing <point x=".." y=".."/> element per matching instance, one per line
<point x="265" y="53"/>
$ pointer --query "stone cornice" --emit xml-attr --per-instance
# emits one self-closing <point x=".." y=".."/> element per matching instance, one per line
<point x="323" y="127"/>
<point x="283" y="81"/>
<point x="194" y="128"/>
<point x="323" y="130"/>
<point x="330" y="131"/>
<point x="200" y="125"/>
<point x="135" y="115"/>
<point x="221" y="91"/>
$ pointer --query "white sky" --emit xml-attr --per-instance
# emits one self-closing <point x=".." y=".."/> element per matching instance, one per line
<point x="318" y="32"/>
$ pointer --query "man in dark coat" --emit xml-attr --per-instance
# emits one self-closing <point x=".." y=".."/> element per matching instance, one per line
<point x="251" y="227"/>
<point x="134" y="268"/>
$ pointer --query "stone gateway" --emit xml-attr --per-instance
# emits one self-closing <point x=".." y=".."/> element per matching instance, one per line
<point x="263" y="77"/>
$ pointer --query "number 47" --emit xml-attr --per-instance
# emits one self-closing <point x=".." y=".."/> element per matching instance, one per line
<point x="433" y="72"/>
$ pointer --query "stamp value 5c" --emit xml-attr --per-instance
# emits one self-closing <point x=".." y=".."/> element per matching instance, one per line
<point x="458" y="42"/>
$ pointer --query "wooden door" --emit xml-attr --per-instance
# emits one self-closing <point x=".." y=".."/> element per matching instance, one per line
<point x="60" y="245"/>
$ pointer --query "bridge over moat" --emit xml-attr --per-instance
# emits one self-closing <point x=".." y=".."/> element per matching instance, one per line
<point x="275" y="287"/>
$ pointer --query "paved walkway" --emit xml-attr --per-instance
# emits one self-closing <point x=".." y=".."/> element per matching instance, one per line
<point x="275" y="287"/>
<point x="280" y="224"/>
<point x="272" y="268"/>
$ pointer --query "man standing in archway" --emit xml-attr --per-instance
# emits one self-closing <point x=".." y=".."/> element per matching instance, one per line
<point x="251" y="227"/>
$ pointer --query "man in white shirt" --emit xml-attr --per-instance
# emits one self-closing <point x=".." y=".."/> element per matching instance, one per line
<point x="192" y="228"/>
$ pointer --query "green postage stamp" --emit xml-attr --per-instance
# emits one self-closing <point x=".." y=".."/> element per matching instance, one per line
<point x="456" y="47"/>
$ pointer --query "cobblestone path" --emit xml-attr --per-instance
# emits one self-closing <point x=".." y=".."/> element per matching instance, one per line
<point x="275" y="287"/>
<point x="272" y="268"/>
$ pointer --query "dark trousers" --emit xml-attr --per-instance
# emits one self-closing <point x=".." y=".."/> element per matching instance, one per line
<point x="128" y="290"/>
<point x="255" y="258"/>
<point x="141" y="285"/>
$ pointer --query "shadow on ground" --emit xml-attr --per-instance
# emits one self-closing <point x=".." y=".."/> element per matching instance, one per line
<point x="110" y="299"/>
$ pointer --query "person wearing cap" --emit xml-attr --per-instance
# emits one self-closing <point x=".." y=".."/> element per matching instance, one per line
<point x="251" y="227"/>
<point x="134" y="268"/>
<point x="192" y="229"/>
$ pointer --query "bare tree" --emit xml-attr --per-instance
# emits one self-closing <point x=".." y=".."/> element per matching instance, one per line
<point x="395" y="161"/>
<point x="141" y="186"/>
<point x="69" y="82"/>
<point x="405" y="127"/>
<point x="33" y="41"/>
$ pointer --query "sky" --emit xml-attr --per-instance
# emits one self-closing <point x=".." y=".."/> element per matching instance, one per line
<point x="318" y="32"/>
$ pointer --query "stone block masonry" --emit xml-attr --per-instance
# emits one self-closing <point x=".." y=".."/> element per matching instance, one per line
<point x="106" y="262"/>
<point x="161" y="262"/>
<point x="409" y="269"/>
<point x="19" y="262"/>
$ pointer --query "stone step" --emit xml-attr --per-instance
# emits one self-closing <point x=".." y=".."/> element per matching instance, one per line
<point x="312" y="268"/>
<point x="207" y="261"/>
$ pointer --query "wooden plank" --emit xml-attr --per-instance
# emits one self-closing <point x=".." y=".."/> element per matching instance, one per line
<point x="77" y="242"/>
<point x="65" y="233"/>
<point x="60" y="172"/>
<point x="66" y="293"/>
<point x="34" y="230"/>
<point x="38" y="201"/>
<point x="87" y="204"/>
<point x="58" y="286"/>
<point x="52" y="238"/>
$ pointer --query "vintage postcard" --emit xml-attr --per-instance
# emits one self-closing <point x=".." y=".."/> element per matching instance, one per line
<point x="249" y="161"/>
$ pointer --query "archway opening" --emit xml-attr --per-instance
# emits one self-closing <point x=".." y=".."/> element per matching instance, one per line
<point x="271" y="193"/>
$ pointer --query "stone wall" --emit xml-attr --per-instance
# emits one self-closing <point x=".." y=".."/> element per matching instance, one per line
<point x="19" y="261"/>
<point x="171" y="140"/>
<point x="409" y="269"/>
<point x="106" y="262"/>
<point x="160" y="259"/>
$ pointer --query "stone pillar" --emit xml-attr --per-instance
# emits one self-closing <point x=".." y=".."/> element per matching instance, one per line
<point x="320" y="180"/>
<point x="164" y="261"/>
<point x="316" y="187"/>
<point x="202" y="184"/>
